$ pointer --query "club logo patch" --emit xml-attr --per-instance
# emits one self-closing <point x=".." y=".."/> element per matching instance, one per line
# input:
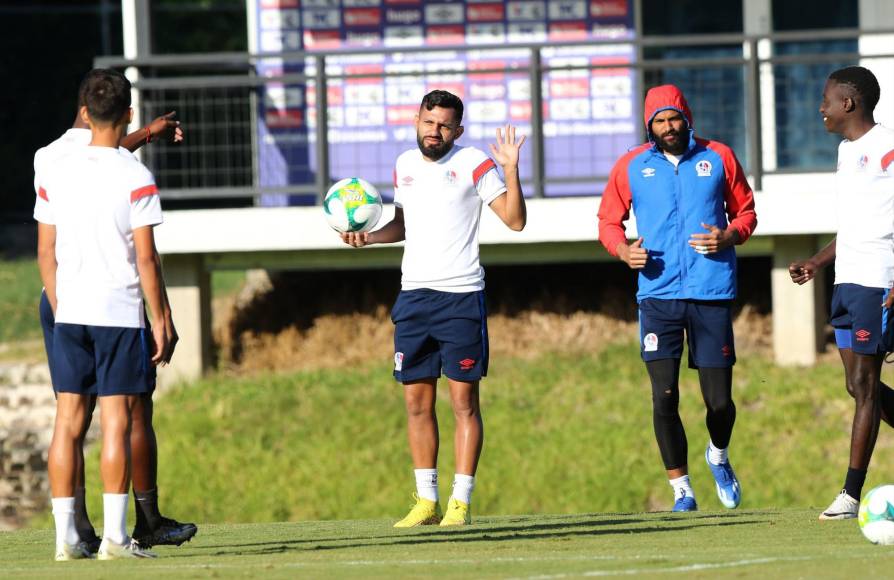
<point x="466" y="364"/>
<point x="863" y="162"/>
<point x="703" y="168"/>
<point x="450" y="177"/>
<point x="862" y="335"/>
<point x="649" y="172"/>
<point x="650" y="342"/>
<point x="726" y="350"/>
<point x="398" y="361"/>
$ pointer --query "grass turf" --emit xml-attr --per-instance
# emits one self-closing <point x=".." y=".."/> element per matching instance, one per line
<point x="747" y="543"/>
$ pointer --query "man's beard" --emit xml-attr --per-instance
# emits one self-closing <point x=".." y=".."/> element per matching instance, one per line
<point x="676" y="149"/>
<point x="434" y="152"/>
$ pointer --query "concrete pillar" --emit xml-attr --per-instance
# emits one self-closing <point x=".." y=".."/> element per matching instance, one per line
<point x="757" y="19"/>
<point x="799" y="312"/>
<point x="879" y="15"/>
<point x="189" y="293"/>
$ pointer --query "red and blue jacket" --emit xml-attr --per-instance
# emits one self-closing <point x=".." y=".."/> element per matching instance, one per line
<point x="670" y="204"/>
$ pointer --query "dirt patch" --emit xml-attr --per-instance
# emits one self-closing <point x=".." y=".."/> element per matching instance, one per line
<point x="317" y="320"/>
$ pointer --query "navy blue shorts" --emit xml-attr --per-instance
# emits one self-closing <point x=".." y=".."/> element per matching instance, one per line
<point x="439" y="331"/>
<point x="861" y="322"/>
<point x="48" y="324"/>
<point x="708" y="326"/>
<point x="101" y="360"/>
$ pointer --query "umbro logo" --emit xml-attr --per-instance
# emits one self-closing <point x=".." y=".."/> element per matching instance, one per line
<point x="649" y="172"/>
<point x="466" y="364"/>
<point x="862" y="335"/>
<point x="408" y="180"/>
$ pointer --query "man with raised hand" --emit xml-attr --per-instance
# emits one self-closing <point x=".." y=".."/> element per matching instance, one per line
<point x="692" y="206"/>
<point x="96" y="209"/>
<point x="151" y="527"/>
<point x="440" y="316"/>
<point x="863" y="253"/>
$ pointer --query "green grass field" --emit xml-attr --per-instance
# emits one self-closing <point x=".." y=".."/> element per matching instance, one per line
<point x="747" y="543"/>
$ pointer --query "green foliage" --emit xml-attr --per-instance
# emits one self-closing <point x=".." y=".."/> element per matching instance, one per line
<point x="226" y="282"/>
<point x="19" y="296"/>
<point x="563" y="435"/>
<point x="746" y="543"/>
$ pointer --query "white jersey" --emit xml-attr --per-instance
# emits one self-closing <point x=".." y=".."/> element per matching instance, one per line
<point x="73" y="139"/>
<point x="96" y="197"/>
<point x="864" y="249"/>
<point x="442" y="201"/>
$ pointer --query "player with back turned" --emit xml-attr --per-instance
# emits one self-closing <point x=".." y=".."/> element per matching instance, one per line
<point x="863" y="253"/>
<point x="440" y="316"/>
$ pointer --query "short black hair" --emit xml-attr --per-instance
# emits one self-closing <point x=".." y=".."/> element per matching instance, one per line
<point x="445" y="100"/>
<point x="106" y="94"/>
<point x="862" y="82"/>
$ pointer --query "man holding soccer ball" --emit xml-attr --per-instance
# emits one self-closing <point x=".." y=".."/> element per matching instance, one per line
<point x="440" y="316"/>
<point x="692" y="205"/>
<point x="863" y="253"/>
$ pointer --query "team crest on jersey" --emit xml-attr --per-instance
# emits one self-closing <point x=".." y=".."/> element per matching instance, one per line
<point x="863" y="162"/>
<point x="398" y="361"/>
<point x="703" y="168"/>
<point x="649" y="172"/>
<point x="450" y="177"/>
<point x="650" y="342"/>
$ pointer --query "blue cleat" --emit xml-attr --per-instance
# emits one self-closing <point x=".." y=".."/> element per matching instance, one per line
<point x="685" y="504"/>
<point x="728" y="489"/>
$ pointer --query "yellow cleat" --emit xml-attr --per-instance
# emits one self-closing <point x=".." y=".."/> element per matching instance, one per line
<point x="458" y="513"/>
<point x="424" y="513"/>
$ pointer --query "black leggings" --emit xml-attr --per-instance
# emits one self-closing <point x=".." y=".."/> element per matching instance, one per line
<point x="716" y="385"/>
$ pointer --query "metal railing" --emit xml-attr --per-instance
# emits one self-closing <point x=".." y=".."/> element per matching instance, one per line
<point x="230" y="153"/>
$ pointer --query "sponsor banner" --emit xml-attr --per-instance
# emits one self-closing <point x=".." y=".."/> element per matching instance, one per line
<point x="527" y="32"/>
<point x="409" y="94"/>
<point x="280" y="40"/>
<point x="608" y="8"/>
<point x="445" y="34"/>
<point x="361" y="3"/>
<point x="487" y="92"/>
<point x="526" y="10"/>
<point x="280" y="97"/>
<point x="403" y="115"/>
<point x="569" y="109"/>
<point x="444" y="13"/>
<point x="403" y="36"/>
<point x="280" y="19"/>
<point x="321" y="19"/>
<point x="365" y="69"/>
<point x="458" y="89"/>
<point x="559" y="31"/>
<point x="611" y="86"/>
<point x="491" y="66"/>
<point x="568" y="10"/>
<point x="279" y="3"/>
<point x="365" y="94"/>
<point x="403" y="16"/>
<point x="616" y="108"/>
<point x="621" y="60"/>
<point x="321" y="39"/>
<point x="320" y="3"/>
<point x="485" y="33"/>
<point x="488" y="111"/>
<point x="364" y="116"/>
<point x="362" y="16"/>
<point x="573" y="87"/>
<point x="519" y="89"/>
<point x="485" y="12"/>
<point x="335" y="96"/>
<point x="284" y="119"/>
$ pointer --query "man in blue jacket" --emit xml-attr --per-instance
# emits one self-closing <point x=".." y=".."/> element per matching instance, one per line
<point x="692" y="205"/>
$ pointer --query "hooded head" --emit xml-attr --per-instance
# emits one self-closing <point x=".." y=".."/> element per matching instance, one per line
<point x="666" y="98"/>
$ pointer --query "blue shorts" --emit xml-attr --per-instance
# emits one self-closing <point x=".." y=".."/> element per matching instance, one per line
<point x="440" y="331"/>
<point x="861" y="322"/>
<point x="101" y="360"/>
<point x="48" y="323"/>
<point x="708" y="326"/>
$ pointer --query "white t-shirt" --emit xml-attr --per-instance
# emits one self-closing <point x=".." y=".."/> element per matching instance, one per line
<point x="96" y="197"/>
<point x="46" y="157"/>
<point x="864" y="250"/>
<point x="442" y="203"/>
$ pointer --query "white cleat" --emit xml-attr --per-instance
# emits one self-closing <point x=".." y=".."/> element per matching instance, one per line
<point x="109" y="550"/>
<point x="66" y="552"/>
<point x="843" y="508"/>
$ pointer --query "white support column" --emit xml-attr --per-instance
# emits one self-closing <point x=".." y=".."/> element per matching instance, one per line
<point x="879" y="15"/>
<point x="189" y="292"/>
<point x="799" y="312"/>
<point x="135" y="23"/>
<point x="757" y="19"/>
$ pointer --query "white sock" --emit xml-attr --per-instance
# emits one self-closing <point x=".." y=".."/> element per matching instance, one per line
<point x="114" y="516"/>
<point x="427" y="483"/>
<point x="64" y="514"/>
<point x="682" y="488"/>
<point x="462" y="487"/>
<point x="717" y="456"/>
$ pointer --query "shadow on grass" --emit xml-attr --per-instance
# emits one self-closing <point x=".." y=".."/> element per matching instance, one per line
<point x="477" y="534"/>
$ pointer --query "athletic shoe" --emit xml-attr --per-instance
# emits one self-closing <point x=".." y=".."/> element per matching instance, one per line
<point x="843" y="508"/>
<point x="685" y="503"/>
<point x="424" y="513"/>
<point x="66" y="552"/>
<point x="168" y="533"/>
<point x="109" y="550"/>
<point x="728" y="489"/>
<point x="458" y="513"/>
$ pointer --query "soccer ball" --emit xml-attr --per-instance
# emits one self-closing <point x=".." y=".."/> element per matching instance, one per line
<point x="876" y="515"/>
<point x="352" y="205"/>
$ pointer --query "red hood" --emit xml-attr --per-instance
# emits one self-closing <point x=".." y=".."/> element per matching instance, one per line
<point x="662" y="98"/>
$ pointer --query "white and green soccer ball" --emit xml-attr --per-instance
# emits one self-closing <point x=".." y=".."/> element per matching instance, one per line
<point x="876" y="515"/>
<point x="352" y="205"/>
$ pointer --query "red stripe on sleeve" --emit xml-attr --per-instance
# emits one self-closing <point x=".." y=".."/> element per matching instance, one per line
<point x="614" y="209"/>
<point x="887" y="160"/>
<point x="394" y="177"/>
<point x="479" y="172"/>
<point x="42" y="193"/>
<point x="142" y="192"/>
<point x="738" y="195"/>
